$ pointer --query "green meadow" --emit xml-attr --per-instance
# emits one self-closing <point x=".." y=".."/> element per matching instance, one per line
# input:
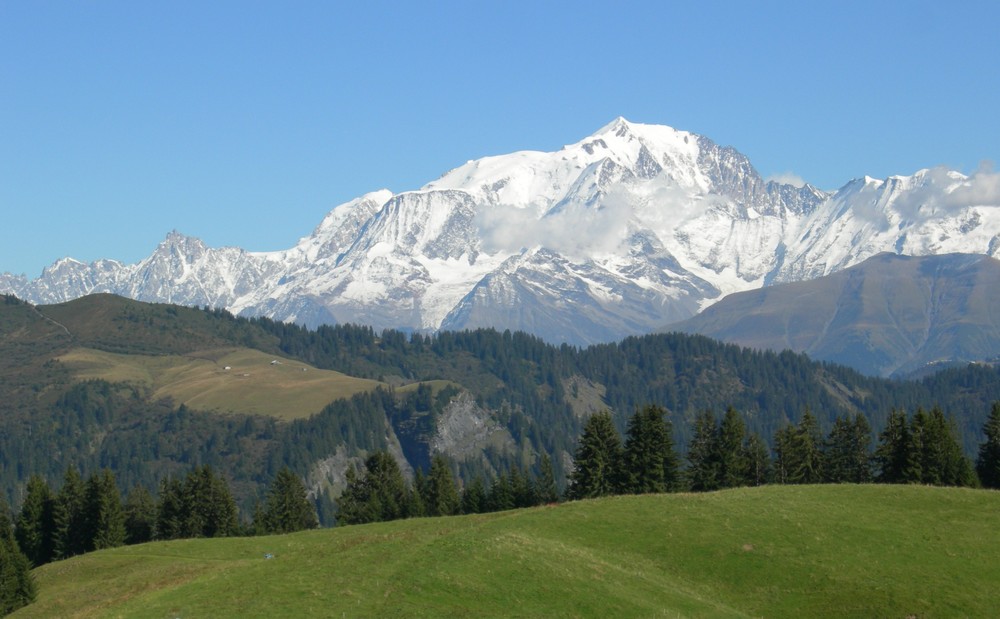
<point x="779" y="551"/>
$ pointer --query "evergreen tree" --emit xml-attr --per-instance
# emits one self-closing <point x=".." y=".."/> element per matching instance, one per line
<point x="416" y="505"/>
<point x="758" y="461"/>
<point x="846" y="457"/>
<point x="35" y="531"/>
<point x="209" y="508"/>
<point x="69" y="518"/>
<point x="287" y="508"/>
<point x="140" y="516"/>
<point x="17" y="585"/>
<point x="474" y="496"/>
<point x="597" y="464"/>
<point x="171" y="511"/>
<point x="942" y="462"/>
<point x="784" y="447"/>
<point x="730" y="451"/>
<point x="797" y="448"/>
<point x="703" y="467"/>
<point x="104" y="518"/>
<point x="501" y="496"/>
<point x="548" y="492"/>
<point x="919" y="444"/>
<point x="521" y="488"/>
<point x="441" y="494"/>
<point x="809" y="442"/>
<point x="988" y="463"/>
<point x="892" y="453"/>
<point x="377" y="495"/>
<point x="648" y="452"/>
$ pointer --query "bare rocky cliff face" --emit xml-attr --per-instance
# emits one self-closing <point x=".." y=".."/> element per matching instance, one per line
<point x="632" y="227"/>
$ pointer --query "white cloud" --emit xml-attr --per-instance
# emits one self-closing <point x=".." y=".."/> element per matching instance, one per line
<point x="574" y="230"/>
<point x="982" y="188"/>
<point x="943" y="193"/>
<point x="787" y="178"/>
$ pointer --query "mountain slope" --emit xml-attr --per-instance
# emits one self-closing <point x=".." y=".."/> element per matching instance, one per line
<point x="888" y="315"/>
<point x="489" y="401"/>
<point x="629" y="228"/>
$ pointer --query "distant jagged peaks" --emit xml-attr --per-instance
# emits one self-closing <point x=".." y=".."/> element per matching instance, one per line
<point x="631" y="227"/>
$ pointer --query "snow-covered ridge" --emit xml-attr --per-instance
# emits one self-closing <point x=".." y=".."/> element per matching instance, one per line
<point x="630" y="228"/>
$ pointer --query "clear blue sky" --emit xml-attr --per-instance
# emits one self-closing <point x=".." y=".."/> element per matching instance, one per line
<point x="243" y="123"/>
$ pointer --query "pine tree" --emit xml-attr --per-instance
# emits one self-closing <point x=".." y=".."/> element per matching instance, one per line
<point x="798" y="459"/>
<point x="597" y="464"/>
<point x="758" y="461"/>
<point x="703" y="468"/>
<point x="170" y="510"/>
<point x="501" y="496"/>
<point x="730" y="452"/>
<point x="548" y="492"/>
<point x="68" y="517"/>
<point x="941" y="459"/>
<point x="104" y="517"/>
<point x="648" y="448"/>
<point x="441" y="494"/>
<point x="140" y="516"/>
<point x="920" y="438"/>
<point x="17" y="585"/>
<point x="210" y="510"/>
<point x="474" y="497"/>
<point x="378" y="494"/>
<point x="416" y="505"/>
<point x="522" y="488"/>
<point x="892" y="453"/>
<point x="988" y="463"/>
<point x="846" y="457"/>
<point x="809" y="469"/>
<point x="287" y="508"/>
<point x="784" y="447"/>
<point x="35" y="531"/>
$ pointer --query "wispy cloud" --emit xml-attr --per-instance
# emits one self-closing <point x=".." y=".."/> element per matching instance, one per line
<point x="787" y="178"/>
<point x="574" y="230"/>
<point x="942" y="193"/>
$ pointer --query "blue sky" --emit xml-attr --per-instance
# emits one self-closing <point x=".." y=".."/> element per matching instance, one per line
<point x="244" y="123"/>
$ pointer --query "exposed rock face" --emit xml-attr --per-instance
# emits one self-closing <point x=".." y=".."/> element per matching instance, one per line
<point x="464" y="429"/>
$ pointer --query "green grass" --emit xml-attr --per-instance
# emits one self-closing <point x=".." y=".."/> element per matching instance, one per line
<point x="844" y="551"/>
<point x="253" y="384"/>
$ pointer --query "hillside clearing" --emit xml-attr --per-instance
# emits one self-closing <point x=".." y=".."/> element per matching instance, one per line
<point x="229" y="380"/>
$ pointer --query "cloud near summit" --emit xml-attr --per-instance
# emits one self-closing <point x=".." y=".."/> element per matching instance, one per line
<point x="942" y="193"/>
<point x="573" y="229"/>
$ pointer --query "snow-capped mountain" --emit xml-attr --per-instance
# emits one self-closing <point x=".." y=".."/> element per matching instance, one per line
<point x="631" y="228"/>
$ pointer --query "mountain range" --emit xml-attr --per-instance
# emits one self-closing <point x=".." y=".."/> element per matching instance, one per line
<point x="631" y="228"/>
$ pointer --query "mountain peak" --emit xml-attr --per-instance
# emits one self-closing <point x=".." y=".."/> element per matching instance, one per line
<point x="619" y="126"/>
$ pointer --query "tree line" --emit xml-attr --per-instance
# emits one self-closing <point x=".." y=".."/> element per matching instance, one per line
<point x="87" y="515"/>
<point x="379" y="492"/>
<point x="920" y="448"/>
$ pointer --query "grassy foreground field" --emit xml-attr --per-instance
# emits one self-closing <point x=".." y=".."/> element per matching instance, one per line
<point x="239" y="380"/>
<point x="808" y="551"/>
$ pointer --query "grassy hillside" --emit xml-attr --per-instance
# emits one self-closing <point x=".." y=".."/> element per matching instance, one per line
<point x="807" y="551"/>
<point x="237" y="380"/>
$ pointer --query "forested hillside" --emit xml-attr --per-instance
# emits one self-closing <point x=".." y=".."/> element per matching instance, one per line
<point x="490" y="401"/>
